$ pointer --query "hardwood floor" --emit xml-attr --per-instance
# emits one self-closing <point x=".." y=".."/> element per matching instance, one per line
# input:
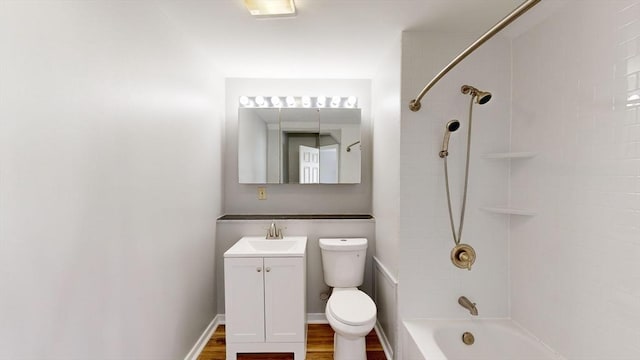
<point x="319" y="346"/>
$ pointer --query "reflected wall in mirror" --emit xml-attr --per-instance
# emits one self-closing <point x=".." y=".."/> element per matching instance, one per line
<point x="299" y="145"/>
<point x="259" y="146"/>
<point x="340" y="146"/>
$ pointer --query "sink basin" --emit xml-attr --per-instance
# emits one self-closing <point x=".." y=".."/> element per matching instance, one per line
<point x="258" y="246"/>
<point x="272" y="245"/>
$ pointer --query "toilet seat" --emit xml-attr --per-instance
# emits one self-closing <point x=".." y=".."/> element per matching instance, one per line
<point x="351" y="307"/>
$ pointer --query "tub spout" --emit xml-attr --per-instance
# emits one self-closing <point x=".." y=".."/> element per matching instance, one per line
<point x="467" y="304"/>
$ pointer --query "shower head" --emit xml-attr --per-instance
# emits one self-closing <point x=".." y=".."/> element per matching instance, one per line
<point x="451" y="126"/>
<point x="482" y="97"/>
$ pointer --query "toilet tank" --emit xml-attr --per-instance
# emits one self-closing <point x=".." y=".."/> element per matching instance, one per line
<point x="343" y="261"/>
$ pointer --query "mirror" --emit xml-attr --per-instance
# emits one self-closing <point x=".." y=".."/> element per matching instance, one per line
<point x="299" y="145"/>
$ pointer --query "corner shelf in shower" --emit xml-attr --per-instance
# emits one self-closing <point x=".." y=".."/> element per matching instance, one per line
<point x="506" y="209"/>
<point x="510" y="155"/>
<point x="509" y="210"/>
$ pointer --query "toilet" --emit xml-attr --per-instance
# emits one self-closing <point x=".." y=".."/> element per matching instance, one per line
<point x="350" y="312"/>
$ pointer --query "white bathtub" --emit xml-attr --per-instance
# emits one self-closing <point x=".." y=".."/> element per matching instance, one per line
<point x="495" y="339"/>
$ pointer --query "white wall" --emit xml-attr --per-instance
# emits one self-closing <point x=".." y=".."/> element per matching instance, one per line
<point x="109" y="182"/>
<point x="574" y="267"/>
<point x="386" y="187"/>
<point x="296" y="198"/>
<point x="429" y="283"/>
<point x="252" y="163"/>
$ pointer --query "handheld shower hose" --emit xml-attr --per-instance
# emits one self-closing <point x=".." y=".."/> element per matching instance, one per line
<point x="480" y="97"/>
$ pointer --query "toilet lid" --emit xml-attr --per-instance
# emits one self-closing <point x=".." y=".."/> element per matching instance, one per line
<point x="352" y="307"/>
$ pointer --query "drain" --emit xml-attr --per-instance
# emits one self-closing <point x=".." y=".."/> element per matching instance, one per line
<point x="468" y="338"/>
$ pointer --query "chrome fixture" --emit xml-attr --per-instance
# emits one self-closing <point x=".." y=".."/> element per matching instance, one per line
<point x="467" y="304"/>
<point x="274" y="232"/>
<point x="452" y="126"/>
<point x="468" y="338"/>
<point x="415" y="105"/>
<point x="350" y="146"/>
<point x="463" y="256"/>
<point x="482" y="97"/>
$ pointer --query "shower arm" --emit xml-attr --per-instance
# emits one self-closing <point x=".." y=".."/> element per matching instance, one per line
<point x="415" y="105"/>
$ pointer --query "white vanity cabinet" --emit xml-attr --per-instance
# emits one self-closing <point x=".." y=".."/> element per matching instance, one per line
<point x="265" y="305"/>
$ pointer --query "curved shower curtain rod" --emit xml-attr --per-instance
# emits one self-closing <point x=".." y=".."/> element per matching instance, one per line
<point x="415" y="105"/>
<point x="352" y="145"/>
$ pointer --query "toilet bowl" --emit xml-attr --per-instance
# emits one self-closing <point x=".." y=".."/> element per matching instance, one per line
<point x="350" y="312"/>
<point x="352" y="315"/>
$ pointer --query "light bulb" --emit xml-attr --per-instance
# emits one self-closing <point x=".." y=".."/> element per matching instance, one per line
<point x="306" y="101"/>
<point x="351" y="101"/>
<point x="244" y="100"/>
<point x="335" y="101"/>
<point x="320" y="101"/>
<point x="275" y="101"/>
<point x="260" y="100"/>
<point x="291" y="101"/>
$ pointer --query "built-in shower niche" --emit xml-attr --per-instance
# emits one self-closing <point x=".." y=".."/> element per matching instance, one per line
<point x="507" y="209"/>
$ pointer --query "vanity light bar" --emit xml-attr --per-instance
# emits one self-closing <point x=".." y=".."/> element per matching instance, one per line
<point x="299" y="101"/>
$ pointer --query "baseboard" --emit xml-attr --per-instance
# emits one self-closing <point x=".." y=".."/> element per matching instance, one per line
<point x="317" y="318"/>
<point x="204" y="338"/>
<point x="386" y="346"/>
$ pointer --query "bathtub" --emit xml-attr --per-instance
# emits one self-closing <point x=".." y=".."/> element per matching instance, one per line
<point x="495" y="339"/>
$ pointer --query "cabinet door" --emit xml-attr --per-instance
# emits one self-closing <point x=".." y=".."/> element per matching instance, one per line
<point x="284" y="299"/>
<point x="244" y="299"/>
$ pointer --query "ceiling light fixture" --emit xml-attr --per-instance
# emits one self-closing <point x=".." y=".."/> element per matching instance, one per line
<point x="270" y="8"/>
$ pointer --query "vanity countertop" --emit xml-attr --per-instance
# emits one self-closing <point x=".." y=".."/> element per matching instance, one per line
<point x="259" y="246"/>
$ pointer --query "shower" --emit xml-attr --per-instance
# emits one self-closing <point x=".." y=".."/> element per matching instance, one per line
<point x="482" y="97"/>
<point x="452" y="126"/>
<point x="462" y="255"/>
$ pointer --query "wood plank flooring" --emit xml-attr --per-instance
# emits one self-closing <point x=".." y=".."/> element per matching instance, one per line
<point x="319" y="346"/>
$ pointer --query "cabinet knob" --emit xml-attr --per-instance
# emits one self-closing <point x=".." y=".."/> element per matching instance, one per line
<point x="259" y="269"/>
<point x="268" y="269"/>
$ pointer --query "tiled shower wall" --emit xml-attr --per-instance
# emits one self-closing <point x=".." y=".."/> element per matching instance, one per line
<point x="429" y="285"/>
<point x="575" y="274"/>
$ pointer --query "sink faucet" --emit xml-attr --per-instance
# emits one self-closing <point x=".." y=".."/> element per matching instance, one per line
<point x="467" y="304"/>
<point x="274" y="232"/>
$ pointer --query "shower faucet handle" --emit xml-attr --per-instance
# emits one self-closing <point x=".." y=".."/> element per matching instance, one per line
<point x="463" y="256"/>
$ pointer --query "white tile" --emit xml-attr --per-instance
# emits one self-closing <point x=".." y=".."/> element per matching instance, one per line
<point x="582" y="254"/>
